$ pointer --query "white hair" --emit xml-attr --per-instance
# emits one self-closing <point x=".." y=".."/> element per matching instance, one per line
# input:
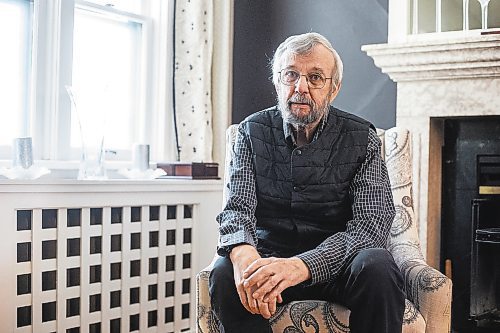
<point x="302" y="45"/>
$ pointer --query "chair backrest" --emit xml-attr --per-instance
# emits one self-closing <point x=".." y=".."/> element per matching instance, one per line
<point x="403" y="240"/>
<point x="396" y="151"/>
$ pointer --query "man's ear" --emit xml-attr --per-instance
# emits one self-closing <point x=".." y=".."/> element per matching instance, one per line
<point x="335" y="92"/>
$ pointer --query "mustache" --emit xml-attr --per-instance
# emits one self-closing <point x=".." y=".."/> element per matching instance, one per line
<point x="302" y="99"/>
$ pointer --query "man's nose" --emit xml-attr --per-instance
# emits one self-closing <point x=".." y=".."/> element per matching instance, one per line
<point x="301" y="86"/>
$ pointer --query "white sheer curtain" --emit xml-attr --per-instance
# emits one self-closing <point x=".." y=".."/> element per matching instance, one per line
<point x="202" y="77"/>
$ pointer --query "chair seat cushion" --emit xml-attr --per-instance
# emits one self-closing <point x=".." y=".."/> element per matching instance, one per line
<point x="311" y="316"/>
<point x="319" y="316"/>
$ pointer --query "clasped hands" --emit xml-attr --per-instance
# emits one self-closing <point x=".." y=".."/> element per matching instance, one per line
<point x="260" y="281"/>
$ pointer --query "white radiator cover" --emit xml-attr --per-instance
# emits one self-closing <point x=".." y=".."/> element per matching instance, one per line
<point x="112" y="256"/>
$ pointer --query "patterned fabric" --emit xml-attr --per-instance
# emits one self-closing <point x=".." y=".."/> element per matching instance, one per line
<point x="428" y="291"/>
<point x="192" y="79"/>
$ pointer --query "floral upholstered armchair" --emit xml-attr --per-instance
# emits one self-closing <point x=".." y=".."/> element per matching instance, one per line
<point x="428" y="292"/>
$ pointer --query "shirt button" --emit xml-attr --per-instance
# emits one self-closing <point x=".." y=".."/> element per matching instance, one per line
<point x="298" y="152"/>
<point x="295" y="188"/>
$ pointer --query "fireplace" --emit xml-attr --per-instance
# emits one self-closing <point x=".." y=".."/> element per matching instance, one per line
<point x="439" y="81"/>
<point x="470" y="245"/>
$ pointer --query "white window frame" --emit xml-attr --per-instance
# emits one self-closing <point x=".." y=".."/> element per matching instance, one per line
<point x="5" y="151"/>
<point x="66" y="79"/>
<point x="51" y="70"/>
<point x="400" y="29"/>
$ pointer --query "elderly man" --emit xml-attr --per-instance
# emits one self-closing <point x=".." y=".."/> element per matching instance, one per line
<point x="309" y="207"/>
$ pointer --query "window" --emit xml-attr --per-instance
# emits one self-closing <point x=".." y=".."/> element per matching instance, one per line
<point x="15" y="66"/>
<point x="114" y="56"/>
<point x="106" y="65"/>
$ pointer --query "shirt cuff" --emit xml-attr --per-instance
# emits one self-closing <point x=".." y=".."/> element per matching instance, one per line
<point x="317" y="265"/>
<point x="224" y="251"/>
<point x="230" y="241"/>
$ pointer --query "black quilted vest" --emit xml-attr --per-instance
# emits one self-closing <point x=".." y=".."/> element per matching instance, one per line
<point x="303" y="193"/>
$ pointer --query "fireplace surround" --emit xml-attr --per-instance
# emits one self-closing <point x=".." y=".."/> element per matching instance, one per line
<point x="437" y="80"/>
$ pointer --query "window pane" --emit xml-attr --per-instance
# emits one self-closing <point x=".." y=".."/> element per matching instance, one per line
<point x="15" y="64"/>
<point x="106" y="77"/>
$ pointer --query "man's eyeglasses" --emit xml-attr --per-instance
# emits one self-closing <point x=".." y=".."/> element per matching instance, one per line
<point x="290" y="77"/>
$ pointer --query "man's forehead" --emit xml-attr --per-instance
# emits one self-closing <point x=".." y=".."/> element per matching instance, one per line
<point x="318" y="59"/>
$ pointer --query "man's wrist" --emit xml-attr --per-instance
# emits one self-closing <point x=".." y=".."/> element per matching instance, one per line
<point x="303" y="268"/>
<point x="240" y="250"/>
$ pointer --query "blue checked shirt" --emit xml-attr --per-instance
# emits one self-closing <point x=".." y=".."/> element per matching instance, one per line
<point x="372" y="207"/>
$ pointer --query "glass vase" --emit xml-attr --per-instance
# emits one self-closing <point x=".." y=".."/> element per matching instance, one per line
<point x="87" y="108"/>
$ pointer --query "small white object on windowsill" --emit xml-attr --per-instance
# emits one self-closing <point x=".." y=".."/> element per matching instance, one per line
<point x="18" y="172"/>
<point x="142" y="174"/>
<point x="140" y="165"/>
<point x="22" y="160"/>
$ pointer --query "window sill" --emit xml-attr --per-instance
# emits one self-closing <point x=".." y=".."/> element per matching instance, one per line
<point x="66" y="172"/>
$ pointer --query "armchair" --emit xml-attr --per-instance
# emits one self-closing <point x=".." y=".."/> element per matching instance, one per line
<point x="428" y="291"/>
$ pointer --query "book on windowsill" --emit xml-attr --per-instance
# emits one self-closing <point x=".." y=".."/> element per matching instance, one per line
<point x="194" y="170"/>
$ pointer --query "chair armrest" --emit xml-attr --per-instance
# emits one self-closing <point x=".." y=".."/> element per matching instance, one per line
<point x="427" y="288"/>
<point x="205" y="317"/>
<point x="430" y="291"/>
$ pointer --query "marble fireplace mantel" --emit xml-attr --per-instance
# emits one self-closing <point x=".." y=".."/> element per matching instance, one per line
<point x="438" y="79"/>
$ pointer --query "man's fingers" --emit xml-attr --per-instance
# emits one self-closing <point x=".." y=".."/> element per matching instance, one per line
<point x="279" y="298"/>
<point x="272" y="306"/>
<point x="276" y="292"/>
<point x="264" y="309"/>
<point x="260" y="276"/>
<point x="252" y="303"/>
<point x="243" y="297"/>
<point x="267" y="286"/>
<point x="255" y="266"/>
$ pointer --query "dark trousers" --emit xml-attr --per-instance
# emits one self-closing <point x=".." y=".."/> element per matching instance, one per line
<point x="371" y="287"/>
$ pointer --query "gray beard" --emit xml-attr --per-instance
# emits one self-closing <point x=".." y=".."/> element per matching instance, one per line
<point x="316" y="111"/>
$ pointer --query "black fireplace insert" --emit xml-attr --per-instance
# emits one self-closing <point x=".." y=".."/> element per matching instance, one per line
<point x="470" y="224"/>
<point x="485" y="257"/>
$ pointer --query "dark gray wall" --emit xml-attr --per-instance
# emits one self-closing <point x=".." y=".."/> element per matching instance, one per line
<point x="261" y="25"/>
